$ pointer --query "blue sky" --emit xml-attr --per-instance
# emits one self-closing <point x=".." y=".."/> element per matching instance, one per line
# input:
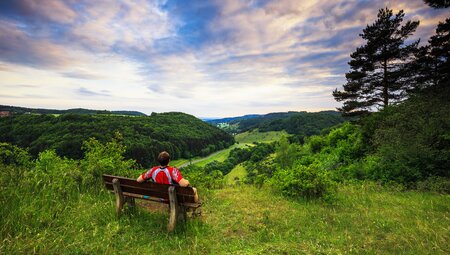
<point x="206" y="58"/>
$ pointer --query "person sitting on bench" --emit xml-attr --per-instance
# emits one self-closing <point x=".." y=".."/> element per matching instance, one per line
<point x="166" y="174"/>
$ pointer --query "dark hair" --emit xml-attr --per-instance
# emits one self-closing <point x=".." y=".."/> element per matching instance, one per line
<point x="164" y="158"/>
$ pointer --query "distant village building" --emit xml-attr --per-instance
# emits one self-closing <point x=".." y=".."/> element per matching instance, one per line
<point x="5" y="113"/>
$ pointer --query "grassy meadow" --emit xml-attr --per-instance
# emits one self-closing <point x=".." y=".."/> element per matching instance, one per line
<point x="366" y="219"/>
<point x="238" y="172"/>
<point x="261" y="137"/>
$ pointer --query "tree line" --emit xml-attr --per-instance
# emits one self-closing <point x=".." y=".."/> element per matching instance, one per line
<point x="22" y="110"/>
<point x="300" y="124"/>
<point x="180" y="134"/>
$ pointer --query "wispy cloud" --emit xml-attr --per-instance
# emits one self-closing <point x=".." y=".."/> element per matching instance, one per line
<point x="81" y="75"/>
<point x="86" y="92"/>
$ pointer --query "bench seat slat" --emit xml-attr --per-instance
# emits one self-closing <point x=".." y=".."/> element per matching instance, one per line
<point x="186" y="194"/>
<point x="151" y="185"/>
<point x="151" y="193"/>
<point x="140" y="191"/>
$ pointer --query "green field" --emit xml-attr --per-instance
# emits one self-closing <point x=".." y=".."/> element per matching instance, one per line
<point x="218" y="156"/>
<point x="182" y="161"/>
<point x="238" y="173"/>
<point x="256" y="136"/>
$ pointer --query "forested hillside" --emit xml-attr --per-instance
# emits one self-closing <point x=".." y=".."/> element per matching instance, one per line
<point x="181" y="134"/>
<point x="296" y="123"/>
<point x="233" y="120"/>
<point x="19" y="110"/>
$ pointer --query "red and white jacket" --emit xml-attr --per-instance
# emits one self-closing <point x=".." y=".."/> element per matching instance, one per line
<point x="164" y="175"/>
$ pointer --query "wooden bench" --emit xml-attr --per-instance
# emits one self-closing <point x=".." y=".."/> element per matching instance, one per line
<point x="179" y="198"/>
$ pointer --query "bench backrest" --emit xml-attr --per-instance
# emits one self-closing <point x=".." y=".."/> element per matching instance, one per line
<point x="151" y="189"/>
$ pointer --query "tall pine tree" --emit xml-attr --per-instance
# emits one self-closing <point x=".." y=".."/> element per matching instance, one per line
<point x="379" y="73"/>
<point x="432" y="66"/>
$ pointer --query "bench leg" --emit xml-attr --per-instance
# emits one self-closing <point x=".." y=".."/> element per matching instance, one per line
<point x="174" y="209"/>
<point x="130" y="202"/>
<point x="181" y="214"/>
<point x="119" y="196"/>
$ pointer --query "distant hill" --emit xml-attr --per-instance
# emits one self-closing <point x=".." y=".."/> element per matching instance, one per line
<point x="296" y="123"/>
<point x="232" y="120"/>
<point x="24" y="110"/>
<point x="180" y="134"/>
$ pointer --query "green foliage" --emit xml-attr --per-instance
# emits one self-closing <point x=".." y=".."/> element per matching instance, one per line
<point x="435" y="184"/>
<point x="203" y="178"/>
<point x="304" y="181"/>
<point x="315" y="143"/>
<point x="286" y="153"/>
<point x="14" y="155"/>
<point x="300" y="123"/>
<point x="260" y="172"/>
<point x="144" y="136"/>
<point x="104" y="159"/>
<point x="22" y="110"/>
<point x="52" y="174"/>
<point x="411" y="139"/>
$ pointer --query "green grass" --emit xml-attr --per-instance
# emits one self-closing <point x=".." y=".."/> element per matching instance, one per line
<point x="219" y="156"/>
<point x="256" y="136"/>
<point x="182" y="161"/>
<point x="238" y="172"/>
<point x="366" y="219"/>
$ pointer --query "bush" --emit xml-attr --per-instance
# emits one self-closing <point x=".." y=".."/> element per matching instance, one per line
<point x="258" y="173"/>
<point x="102" y="159"/>
<point x="315" y="143"/>
<point x="412" y="139"/>
<point x="52" y="174"/>
<point x="435" y="184"/>
<point x="304" y="181"/>
<point x="13" y="155"/>
<point x="199" y="178"/>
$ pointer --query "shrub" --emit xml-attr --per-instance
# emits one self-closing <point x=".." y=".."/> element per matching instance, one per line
<point x="200" y="178"/>
<point x="258" y="173"/>
<point x="102" y="159"/>
<point x="304" y="181"/>
<point x="412" y="139"/>
<point x="315" y="143"/>
<point x="52" y="174"/>
<point x="435" y="184"/>
<point x="13" y="155"/>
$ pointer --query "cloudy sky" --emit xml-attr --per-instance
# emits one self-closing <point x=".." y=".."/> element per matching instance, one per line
<point x="206" y="58"/>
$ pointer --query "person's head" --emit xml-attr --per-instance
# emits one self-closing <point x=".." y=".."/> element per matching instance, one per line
<point x="164" y="158"/>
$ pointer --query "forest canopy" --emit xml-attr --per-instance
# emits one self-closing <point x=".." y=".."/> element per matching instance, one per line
<point x="180" y="134"/>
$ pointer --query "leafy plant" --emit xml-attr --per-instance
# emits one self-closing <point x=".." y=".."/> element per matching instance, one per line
<point x="304" y="181"/>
